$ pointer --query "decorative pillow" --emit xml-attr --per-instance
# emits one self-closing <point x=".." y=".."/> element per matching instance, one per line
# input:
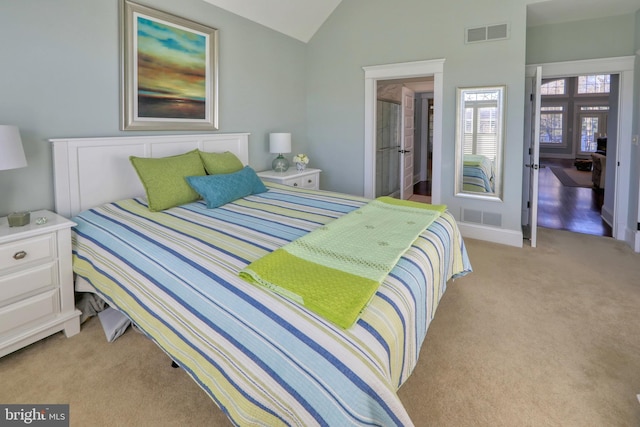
<point x="217" y="163"/>
<point x="220" y="189"/>
<point x="164" y="180"/>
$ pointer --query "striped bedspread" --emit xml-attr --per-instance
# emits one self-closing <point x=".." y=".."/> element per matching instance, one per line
<point x="264" y="359"/>
<point x="478" y="174"/>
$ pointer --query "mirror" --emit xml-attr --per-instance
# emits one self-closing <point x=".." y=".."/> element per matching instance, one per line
<point x="479" y="142"/>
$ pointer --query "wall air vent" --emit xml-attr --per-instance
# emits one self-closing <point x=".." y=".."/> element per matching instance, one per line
<point x="492" y="219"/>
<point x="486" y="33"/>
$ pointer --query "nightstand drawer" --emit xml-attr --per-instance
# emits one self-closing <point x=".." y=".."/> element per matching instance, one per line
<point x="27" y="282"/>
<point x="26" y="311"/>
<point x="292" y="182"/>
<point x="308" y="178"/>
<point x="22" y="252"/>
<point x="310" y="181"/>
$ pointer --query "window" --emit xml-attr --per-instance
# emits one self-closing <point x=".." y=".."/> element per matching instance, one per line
<point x="593" y="123"/>
<point x="594" y="84"/>
<point x="553" y="87"/>
<point x="481" y="124"/>
<point x="552" y="124"/>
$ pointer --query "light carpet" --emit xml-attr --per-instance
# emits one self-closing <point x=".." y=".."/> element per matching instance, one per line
<point x="533" y="337"/>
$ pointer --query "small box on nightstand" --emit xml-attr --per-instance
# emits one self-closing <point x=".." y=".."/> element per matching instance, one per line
<point x="18" y="219"/>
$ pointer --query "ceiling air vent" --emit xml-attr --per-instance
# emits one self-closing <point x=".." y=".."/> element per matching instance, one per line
<point x="486" y="33"/>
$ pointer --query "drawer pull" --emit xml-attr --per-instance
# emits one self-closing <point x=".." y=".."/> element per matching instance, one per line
<point x="295" y="184"/>
<point x="310" y="181"/>
<point x="19" y="255"/>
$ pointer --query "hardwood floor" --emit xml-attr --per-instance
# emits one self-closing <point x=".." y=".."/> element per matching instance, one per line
<point x="574" y="209"/>
<point x="422" y="188"/>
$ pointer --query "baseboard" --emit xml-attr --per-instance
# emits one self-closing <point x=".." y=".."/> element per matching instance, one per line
<point x="633" y="239"/>
<point x="607" y="215"/>
<point x="491" y="234"/>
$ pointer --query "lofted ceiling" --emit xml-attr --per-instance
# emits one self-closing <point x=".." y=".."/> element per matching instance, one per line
<point x="301" y="19"/>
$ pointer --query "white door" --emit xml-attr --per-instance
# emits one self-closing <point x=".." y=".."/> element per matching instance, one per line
<point x="406" y="144"/>
<point x="534" y="157"/>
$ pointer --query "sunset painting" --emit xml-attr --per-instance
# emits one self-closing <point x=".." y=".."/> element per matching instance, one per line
<point x="171" y="71"/>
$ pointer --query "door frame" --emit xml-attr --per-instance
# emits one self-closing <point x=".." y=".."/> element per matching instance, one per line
<point x="407" y="150"/>
<point x="429" y="68"/>
<point x="624" y="67"/>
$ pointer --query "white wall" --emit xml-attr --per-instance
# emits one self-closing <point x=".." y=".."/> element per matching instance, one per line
<point x="59" y="78"/>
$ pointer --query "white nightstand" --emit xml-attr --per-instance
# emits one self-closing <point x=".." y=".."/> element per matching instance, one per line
<point x="308" y="178"/>
<point x="36" y="281"/>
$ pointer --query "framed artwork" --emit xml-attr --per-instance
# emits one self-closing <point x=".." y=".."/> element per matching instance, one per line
<point x="169" y="71"/>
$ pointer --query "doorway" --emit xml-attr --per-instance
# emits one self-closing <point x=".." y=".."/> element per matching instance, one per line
<point x="402" y="71"/>
<point x="618" y="164"/>
<point x="574" y="116"/>
<point x="404" y="138"/>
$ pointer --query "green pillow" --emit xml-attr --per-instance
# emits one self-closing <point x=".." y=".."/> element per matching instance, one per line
<point x="217" y="163"/>
<point x="164" y="179"/>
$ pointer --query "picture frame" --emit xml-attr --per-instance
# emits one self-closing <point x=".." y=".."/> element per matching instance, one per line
<point x="169" y="71"/>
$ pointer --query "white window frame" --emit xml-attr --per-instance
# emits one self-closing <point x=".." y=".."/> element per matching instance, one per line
<point x="557" y="95"/>
<point x="577" y="94"/>
<point x="578" y="113"/>
<point x="565" y="123"/>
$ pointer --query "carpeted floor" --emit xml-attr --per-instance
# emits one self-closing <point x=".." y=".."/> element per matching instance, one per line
<point x="571" y="177"/>
<point x="533" y="337"/>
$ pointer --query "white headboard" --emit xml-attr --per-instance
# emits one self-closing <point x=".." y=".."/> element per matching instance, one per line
<point x="89" y="172"/>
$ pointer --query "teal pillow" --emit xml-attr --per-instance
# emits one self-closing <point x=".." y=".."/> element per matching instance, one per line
<point x="221" y="189"/>
<point x="164" y="179"/>
<point x="217" y="163"/>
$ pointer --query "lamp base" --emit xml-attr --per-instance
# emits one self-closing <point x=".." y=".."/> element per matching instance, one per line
<point x="280" y="164"/>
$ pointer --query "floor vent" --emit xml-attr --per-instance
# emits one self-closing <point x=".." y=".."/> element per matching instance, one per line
<point x="486" y="33"/>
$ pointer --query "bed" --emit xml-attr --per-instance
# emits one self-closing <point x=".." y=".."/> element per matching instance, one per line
<point x="262" y="358"/>
<point x="478" y="174"/>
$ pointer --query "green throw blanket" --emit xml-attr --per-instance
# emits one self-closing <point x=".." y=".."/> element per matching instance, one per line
<point x="474" y="160"/>
<point x="337" y="268"/>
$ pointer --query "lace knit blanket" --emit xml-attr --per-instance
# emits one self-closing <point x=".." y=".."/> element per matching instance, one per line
<point x="337" y="268"/>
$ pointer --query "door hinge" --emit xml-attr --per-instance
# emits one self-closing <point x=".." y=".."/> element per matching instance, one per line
<point x="531" y="97"/>
<point x="528" y="204"/>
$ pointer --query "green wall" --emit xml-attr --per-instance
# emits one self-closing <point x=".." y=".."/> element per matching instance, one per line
<point x="374" y="32"/>
<point x="570" y="41"/>
<point x="59" y="78"/>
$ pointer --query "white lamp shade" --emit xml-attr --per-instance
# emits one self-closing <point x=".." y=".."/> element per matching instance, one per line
<point x="11" y="151"/>
<point x="279" y="143"/>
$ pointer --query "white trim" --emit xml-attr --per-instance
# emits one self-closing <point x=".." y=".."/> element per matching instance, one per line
<point x="491" y="234"/>
<point x="607" y="216"/>
<point x="623" y="66"/>
<point x="633" y="238"/>
<point x="374" y="73"/>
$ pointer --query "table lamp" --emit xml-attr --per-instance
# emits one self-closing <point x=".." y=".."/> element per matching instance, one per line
<point x="280" y="143"/>
<point x="12" y="157"/>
